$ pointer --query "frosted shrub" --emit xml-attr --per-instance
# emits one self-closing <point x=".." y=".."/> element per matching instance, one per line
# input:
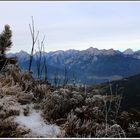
<point x="41" y="91"/>
<point x="59" y="103"/>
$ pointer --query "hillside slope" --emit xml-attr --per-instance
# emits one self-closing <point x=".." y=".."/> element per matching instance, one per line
<point x="129" y="88"/>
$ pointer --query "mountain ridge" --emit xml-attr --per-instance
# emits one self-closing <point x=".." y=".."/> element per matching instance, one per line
<point x="90" y="49"/>
<point x="90" y="66"/>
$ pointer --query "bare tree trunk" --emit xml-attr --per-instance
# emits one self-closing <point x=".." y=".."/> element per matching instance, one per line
<point x="65" y="76"/>
<point x="40" y="62"/>
<point x="34" y="39"/>
<point x="74" y="79"/>
<point x="44" y="65"/>
<point x="56" y="79"/>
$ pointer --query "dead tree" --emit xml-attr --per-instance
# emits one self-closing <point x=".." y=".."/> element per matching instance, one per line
<point x="65" y="82"/>
<point x="56" y="79"/>
<point x="45" y="66"/>
<point x="34" y="39"/>
<point x="39" y="58"/>
<point x="41" y="61"/>
<point x="74" y="79"/>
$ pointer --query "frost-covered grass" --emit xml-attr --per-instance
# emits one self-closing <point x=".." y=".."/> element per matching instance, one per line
<point x="17" y="100"/>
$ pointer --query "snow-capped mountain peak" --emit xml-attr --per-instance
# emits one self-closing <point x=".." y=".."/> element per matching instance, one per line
<point x="128" y="52"/>
<point x="110" y="52"/>
<point x="92" y="50"/>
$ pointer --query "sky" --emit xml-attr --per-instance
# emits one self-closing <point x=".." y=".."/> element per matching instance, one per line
<point x="73" y="24"/>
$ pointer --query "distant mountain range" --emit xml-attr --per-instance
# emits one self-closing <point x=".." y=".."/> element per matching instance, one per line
<point x="88" y="66"/>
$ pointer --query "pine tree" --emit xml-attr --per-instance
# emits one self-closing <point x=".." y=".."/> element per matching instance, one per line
<point x="5" y="40"/>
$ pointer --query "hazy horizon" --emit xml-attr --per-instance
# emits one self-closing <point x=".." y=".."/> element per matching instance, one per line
<point x="72" y="49"/>
<point x="74" y="24"/>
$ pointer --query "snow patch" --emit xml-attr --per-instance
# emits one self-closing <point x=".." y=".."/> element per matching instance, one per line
<point x="36" y="124"/>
